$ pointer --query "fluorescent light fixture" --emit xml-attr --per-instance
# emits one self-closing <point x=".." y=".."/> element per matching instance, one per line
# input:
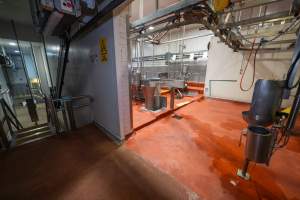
<point x="12" y="44"/>
<point x="17" y="51"/>
<point x="50" y="54"/>
<point x="151" y="28"/>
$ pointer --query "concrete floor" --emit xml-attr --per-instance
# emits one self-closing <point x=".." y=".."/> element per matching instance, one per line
<point x="201" y="151"/>
<point x="83" y="165"/>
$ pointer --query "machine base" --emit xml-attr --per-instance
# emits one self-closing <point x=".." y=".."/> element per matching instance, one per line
<point x="240" y="174"/>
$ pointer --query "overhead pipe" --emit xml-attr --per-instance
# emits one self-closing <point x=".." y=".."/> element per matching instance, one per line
<point x="64" y="66"/>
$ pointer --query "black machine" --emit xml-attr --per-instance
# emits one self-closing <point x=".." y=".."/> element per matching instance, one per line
<point x="268" y="128"/>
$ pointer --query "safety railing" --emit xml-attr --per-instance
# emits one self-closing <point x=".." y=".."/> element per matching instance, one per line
<point x="8" y="123"/>
<point x="61" y="113"/>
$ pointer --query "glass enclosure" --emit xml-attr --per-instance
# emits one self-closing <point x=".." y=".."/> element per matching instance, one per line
<point x="27" y="77"/>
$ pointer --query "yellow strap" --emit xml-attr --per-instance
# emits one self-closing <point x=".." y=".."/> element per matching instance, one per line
<point x="287" y="110"/>
<point x="220" y="5"/>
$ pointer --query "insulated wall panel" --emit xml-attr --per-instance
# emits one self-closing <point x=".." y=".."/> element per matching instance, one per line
<point x="86" y="74"/>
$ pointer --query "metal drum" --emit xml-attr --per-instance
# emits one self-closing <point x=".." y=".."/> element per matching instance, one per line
<point x="259" y="144"/>
<point x="149" y="97"/>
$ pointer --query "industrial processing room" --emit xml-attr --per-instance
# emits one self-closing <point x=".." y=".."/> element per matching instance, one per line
<point x="156" y="99"/>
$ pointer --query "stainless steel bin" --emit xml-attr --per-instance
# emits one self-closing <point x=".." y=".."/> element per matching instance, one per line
<point x="149" y="97"/>
<point x="259" y="144"/>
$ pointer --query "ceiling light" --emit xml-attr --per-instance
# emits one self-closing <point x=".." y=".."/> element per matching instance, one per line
<point x="151" y="28"/>
<point x="16" y="51"/>
<point x="12" y="44"/>
<point x="50" y="54"/>
<point x="55" y="48"/>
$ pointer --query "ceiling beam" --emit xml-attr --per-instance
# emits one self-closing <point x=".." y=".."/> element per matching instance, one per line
<point x="165" y="11"/>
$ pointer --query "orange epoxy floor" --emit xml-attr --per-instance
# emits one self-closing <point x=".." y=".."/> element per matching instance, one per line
<point x="201" y="151"/>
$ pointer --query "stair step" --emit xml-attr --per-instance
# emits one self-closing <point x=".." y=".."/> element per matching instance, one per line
<point x="32" y="128"/>
<point x="20" y="143"/>
<point x="22" y="133"/>
<point x="33" y="137"/>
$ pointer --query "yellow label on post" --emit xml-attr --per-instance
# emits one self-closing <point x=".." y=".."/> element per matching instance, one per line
<point x="103" y="50"/>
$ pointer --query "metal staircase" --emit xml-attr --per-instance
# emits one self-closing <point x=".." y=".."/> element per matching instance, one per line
<point x="32" y="134"/>
<point x="60" y="117"/>
<point x="12" y="132"/>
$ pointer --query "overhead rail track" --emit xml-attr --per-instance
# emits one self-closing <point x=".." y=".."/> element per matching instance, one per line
<point x="232" y="25"/>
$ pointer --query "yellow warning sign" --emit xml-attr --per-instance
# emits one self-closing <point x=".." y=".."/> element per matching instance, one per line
<point x="103" y="50"/>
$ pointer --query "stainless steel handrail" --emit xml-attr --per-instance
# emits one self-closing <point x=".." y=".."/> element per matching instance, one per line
<point x="67" y="107"/>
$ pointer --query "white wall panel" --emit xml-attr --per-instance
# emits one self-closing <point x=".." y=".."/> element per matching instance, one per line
<point x="86" y="75"/>
<point x="224" y="64"/>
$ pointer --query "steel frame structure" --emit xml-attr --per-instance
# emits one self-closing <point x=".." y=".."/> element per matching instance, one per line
<point x="232" y="25"/>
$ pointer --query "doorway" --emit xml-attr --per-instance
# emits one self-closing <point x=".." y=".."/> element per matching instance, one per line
<point x="23" y="80"/>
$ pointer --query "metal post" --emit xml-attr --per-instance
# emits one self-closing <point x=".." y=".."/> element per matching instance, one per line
<point x="172" y="101"/>
<point x="65" y="62"/>
<point x="243" y="172"/>
<point x="53" y="115"/>
<point x="69" y="107"/>
<point x="64" y="114"/>
<point x="245" y="167"/>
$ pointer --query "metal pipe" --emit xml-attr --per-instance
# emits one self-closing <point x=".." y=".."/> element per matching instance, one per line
<point x="257" y="19"/>
<point x="65" y="62"/>
<point x="274" y="42"/>
<point x="167" y="27"/>
<point x="245" y="167"/>
<point x="187" y="38"/>
<point x="172" y="101"/>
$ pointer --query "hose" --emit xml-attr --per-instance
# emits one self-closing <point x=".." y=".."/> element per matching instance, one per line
<point x="253" y="77"/>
